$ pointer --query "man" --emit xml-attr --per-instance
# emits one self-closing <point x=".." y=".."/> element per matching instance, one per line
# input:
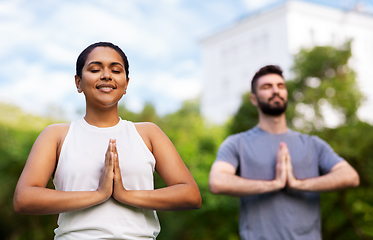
<point x="277" y="172"/>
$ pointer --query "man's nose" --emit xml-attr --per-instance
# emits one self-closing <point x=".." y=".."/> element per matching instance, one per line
<point x="275" y="89"/>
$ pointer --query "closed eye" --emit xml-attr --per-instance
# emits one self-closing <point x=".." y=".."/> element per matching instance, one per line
<point x="265" y="86"/>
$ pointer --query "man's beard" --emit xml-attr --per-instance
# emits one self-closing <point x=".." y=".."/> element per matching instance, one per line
<point x="272" y="110"/>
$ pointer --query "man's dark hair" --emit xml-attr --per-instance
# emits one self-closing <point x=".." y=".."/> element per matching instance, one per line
<point x="269" y="69"/>
<point x="84" y="55"/>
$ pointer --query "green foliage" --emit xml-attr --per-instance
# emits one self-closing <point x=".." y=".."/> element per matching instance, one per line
<point x="348" y="214"/>
<point x="18" y="131"/>
<point x="197" y="146"/>
<point x="245" y="118"/>
<point x="147" y="114"/>
<point x="323" y="79"/>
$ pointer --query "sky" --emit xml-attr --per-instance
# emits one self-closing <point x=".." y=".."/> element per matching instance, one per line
<point x="41" y="39"/>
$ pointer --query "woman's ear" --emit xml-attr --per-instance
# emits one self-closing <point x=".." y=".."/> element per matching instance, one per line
<point x="125" y="88"/>
<point x="77" y="83"/>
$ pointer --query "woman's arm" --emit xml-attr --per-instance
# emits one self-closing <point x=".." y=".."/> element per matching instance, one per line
<point x="181" y="193"/>
<point x="31" y="195"/>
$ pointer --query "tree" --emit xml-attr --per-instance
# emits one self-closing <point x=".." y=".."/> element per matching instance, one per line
<point x="18" y="132"/>
<point x="323" y="83"/>
<point x="348" y="214"/>
<point x="245" y="118"/>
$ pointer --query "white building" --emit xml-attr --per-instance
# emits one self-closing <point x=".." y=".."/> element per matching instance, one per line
<point x="231" y="57"/>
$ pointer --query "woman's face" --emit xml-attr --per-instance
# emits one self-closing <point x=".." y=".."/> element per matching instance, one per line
<point x="104" y="80"/>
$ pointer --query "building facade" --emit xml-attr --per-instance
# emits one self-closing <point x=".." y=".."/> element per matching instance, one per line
<point x="232" y="56"/>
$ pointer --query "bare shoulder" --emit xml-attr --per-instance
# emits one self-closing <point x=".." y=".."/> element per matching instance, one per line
<point x="57" y="127"/>
<point x="146" y="126"/>
<point x="58" y="130"/>
<point x="150" y="133"/>
<point x="147" y="129"/>
<point x="54" y="135"/>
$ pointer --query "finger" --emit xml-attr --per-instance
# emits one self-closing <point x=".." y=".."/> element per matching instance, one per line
<point x="110" y="147"/>
<point x="288" y="161"/>
<point x="112" y="161"/>
<point x="117" y="173"/>
<point x="107" y="154"/>
<point x="115" y="148"/>
<point x="290" y="168"/>
<point x="281" y="151"/>
<point x="116" y="165"/>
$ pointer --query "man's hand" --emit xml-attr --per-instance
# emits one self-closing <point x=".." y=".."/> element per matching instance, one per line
<point x="281" y="165"/>
<point x="284" y="169"/>
<point x="342" y="175"/>
<point x="291" y="181"/>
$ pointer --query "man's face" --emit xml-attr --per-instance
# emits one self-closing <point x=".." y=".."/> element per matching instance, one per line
<point x="271" y="94"/>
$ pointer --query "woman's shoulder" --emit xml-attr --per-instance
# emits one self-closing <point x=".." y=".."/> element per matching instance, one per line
<point x="145" y="126"/>
<point x="149" y="132"/>
<point x="56" y="131"/>
<point x="57" y="127"/>
<point x="147" y="129"/>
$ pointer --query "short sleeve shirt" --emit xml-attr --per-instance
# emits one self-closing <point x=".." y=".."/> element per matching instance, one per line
<point x="285" y="214"/>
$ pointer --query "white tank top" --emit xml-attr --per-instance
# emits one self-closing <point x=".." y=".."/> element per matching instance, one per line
<point x="79" y="169"/>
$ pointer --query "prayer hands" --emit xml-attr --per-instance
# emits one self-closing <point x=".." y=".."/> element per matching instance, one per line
<point x="111" y="179"/>
<point x="284" y="169"/>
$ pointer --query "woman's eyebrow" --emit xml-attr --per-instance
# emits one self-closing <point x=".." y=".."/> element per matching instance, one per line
<point x="116" y="63"/>
<point x="100" y="63"/>
<point x="95" y="62"/>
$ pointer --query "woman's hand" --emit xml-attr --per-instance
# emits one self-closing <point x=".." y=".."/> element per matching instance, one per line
<point x="118" y="189"/>
<point x="105" y="187"/>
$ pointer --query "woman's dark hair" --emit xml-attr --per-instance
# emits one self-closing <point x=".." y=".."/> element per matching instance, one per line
<point x="82" y="58"/>
<point x="269" y="69"/>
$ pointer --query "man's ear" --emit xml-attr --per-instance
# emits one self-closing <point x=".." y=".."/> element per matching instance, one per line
<point x="77" y="83"/>
<point x="253" y="99"/>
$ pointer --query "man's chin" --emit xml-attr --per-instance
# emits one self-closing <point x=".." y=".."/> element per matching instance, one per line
<point x="273" y="111"/>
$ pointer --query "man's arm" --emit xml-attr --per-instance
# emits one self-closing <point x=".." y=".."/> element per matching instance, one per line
<point x="342" y="175"/>
<point x="223" y="180"/>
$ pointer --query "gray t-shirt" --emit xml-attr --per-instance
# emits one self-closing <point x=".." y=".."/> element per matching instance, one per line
<point x="285" y="214"/>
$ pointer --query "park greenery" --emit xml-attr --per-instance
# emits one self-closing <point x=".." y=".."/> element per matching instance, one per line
<point x="323" y="84"/>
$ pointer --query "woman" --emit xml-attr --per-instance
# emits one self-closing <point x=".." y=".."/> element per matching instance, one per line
<point x="102" y="166"/>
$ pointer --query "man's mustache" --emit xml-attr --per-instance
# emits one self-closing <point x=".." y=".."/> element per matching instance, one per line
<point x="276" y="95"/>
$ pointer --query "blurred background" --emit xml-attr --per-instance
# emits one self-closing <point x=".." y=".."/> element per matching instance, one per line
<point x="191" y="63"/>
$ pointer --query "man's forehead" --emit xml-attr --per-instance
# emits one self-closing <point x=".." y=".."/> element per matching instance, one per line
<point x="270" y="79"/>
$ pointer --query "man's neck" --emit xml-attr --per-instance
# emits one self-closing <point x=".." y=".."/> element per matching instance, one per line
<point x="273" y="124"/>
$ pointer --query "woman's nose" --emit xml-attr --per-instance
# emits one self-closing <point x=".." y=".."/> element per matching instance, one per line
<point x="106" y="75"/>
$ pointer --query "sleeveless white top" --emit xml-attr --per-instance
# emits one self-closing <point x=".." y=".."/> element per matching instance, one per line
<point x="79" y="168"/>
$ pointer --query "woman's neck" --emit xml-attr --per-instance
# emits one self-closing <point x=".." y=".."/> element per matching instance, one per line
<point x="102" y="117"/>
